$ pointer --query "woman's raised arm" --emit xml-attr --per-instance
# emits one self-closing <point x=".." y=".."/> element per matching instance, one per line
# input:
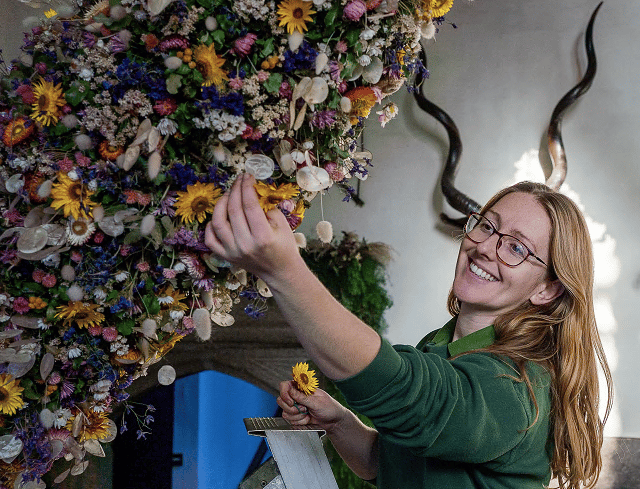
<point x="240" y="232"/>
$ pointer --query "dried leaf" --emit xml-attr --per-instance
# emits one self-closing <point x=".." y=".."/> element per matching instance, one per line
<point x="79" y="468"/>
<point x="61" y="477"/>
<point x="46" y="365"/>
<point x="94" y="448"/>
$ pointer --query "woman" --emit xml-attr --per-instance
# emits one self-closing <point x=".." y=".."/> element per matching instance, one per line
<point x="504" y="395"/>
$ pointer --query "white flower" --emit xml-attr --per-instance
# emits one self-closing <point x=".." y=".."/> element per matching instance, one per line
<point x="179" y="267"/>
<point x="167" y="127"/>
<point x="53" y="260"/>
<point x="364" y="60"/>
<point x="74" y="352"/>
<point x="4" y="300"/>
<point x="93" y="185"/>
<point x="73" y="175"/>
<point x="99" y="294"/>
<point x="79" y="231"/>
<point x="176" y="315"/>
<point x="62" y="415"/>
<point x="308" y="145"/>
<point x="367" y="34"/>
<point x="86" y="74"/>
<point x="4" y="317"/>
<point x="165" y="300"/>
<point x="121" y="276"/>
<point x="43" y="325"/>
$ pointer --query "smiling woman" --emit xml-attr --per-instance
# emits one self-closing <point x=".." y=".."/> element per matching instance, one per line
<point x="506" y="393"/>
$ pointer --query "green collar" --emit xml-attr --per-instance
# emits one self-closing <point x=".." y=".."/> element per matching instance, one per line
<point x="478" y="339"/>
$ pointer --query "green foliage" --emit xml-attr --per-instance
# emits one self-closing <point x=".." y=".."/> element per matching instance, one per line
<point x="355" y="273"/>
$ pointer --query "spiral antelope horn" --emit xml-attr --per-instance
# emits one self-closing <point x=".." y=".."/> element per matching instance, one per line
<point x="456" y="199"/>
<point x="554" y="138"/>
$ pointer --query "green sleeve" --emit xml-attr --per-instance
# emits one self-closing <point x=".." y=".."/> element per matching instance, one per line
<point x="464" y="410"/>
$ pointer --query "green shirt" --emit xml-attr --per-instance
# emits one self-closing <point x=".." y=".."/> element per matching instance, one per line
<point x="466" y="423"/>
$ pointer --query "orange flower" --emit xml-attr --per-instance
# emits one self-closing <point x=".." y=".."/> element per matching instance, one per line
<point x="17" y="131"/>
<point x="362" y="101"/>
<point x="109" y="152"/>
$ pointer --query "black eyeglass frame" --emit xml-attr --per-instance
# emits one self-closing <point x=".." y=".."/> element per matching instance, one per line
<point x="500" y="235"/>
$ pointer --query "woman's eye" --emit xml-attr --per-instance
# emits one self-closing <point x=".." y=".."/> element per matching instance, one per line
<point x="518" y="249"/>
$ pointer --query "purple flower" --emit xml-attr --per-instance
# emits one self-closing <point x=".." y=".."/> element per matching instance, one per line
<point x="323" y="119"/>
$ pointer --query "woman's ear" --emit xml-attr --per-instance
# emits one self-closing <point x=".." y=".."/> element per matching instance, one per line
<point x="551" y="289"/>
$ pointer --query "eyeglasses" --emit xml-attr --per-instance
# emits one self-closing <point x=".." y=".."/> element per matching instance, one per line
<point x="509" y="249"/>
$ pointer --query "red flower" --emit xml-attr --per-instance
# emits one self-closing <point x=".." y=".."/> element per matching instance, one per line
<point x="165" y="106"/>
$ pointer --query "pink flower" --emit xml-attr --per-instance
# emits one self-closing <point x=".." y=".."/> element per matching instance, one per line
<point x="98" y="237"/>
<point x="169" y="273"/>
<point x="236" y="83"/>
<point x="143" y="266"/>
<point x="95" y="330"/>
<point x="286" y="91"/>
<point x="341" y="47"/>
<point x="49" y="281"/>
<point x="125" y="250"/>
<point x="54" y="378"/>
<point x="263" y="76"/>
<point x="165" y="106"/>
<point x="41" y="68"/>
<point x="26" y="92"/>
<point x="37" y="276"/>
<point x="14" y="217"/>
<point x="65" y="165"/>
<point x="76" y="256"/>
<point x="21" y="305"/>
<point x="110" y="334"/>
<point x="354" y="10"/>
<point x="242" y="46"/>
<point x="81" y="159"/>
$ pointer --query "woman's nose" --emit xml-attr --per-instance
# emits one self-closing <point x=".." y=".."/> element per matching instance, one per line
<point x="488" y="247"/>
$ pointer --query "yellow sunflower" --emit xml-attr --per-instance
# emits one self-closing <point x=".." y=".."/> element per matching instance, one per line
<point x="294" y="14"/>
<point x="17" y="131"/>
<point x="210" y="65"/>
<point x="95" y="426"/>
<point x="10" y="395"/>
<point x="73" y="197"/>
<point x="304" y="378"/>
<point x="84" y="314"/>
<point x="270" y="195"/>
<point x="49" y="99"/>
<point x="362" y="101"/>
<point x="437" y="8"/>
<point x="197" y="201"/>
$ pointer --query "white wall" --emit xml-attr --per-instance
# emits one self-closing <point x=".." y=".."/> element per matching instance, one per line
<point x="499" y="75"/>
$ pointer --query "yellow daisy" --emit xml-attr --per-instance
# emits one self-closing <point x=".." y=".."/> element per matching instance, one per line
<point x="84" y="314"/>
<point x="210" y="65"/>
<point x="304" y="378"/>
<point x="437" y="8"/>
<point x="10" y="395"/>
<point x="197" y="201"/>
<point x="73" y="197"/>
<point x="362" y="101"/>
<point x="95" y="426"/>
<point x="270" y="195"/>
<point x="294" y="14"/>
<point x="49" y="99"/>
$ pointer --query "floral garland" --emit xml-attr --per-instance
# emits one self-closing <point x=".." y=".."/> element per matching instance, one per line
<point x="121" y="125"/>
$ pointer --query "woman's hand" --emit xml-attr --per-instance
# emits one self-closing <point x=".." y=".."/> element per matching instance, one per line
<point x="318" y="408"/>
<point x="241" y="233"/>
<point x="356" y="443"/>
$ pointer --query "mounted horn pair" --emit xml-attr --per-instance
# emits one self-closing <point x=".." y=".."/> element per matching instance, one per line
<point x="466" y="205"/>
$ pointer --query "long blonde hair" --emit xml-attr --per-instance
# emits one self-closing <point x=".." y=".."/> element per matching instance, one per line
<point x="562" y="337"/>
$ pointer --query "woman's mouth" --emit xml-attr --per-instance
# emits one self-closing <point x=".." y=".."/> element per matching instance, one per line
<point x="476" y="270"/>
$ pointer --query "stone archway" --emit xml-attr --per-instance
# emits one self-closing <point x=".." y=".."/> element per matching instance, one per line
<point x="260" y="352"/>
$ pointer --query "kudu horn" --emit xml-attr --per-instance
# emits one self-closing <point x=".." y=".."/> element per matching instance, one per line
<point x="554" y="138"/>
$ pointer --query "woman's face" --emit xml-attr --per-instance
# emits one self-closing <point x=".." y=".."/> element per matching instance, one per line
<point x="504" y="288"/>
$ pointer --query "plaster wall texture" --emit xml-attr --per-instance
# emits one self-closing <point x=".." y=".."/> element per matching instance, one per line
<point x="499" y="75"/>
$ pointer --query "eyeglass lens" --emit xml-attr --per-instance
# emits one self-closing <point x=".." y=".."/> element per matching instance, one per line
<point x="509" y="249"/>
